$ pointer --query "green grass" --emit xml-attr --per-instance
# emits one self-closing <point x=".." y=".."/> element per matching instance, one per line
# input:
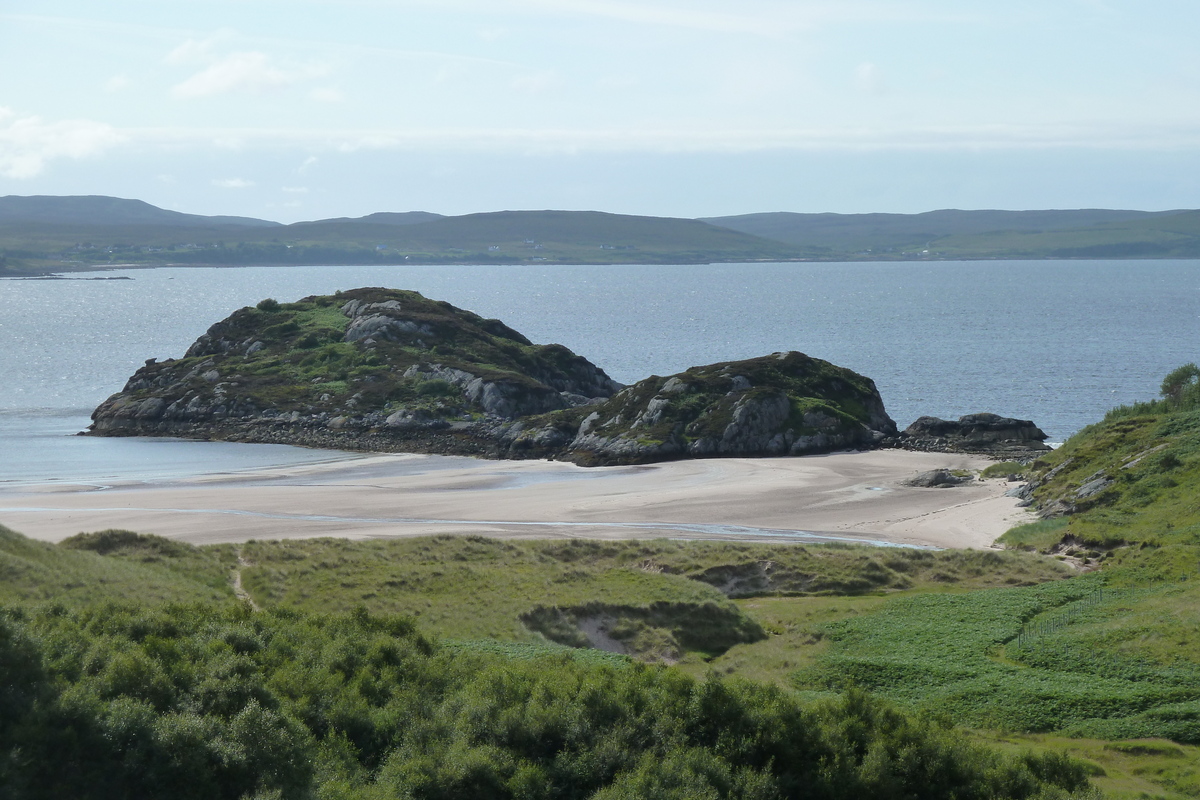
<point x="75" y="574"/>
<point x="957" y="653"/>
<point x="929" y="630"/>
<point x="1041" y="535"/>
<point x="1003" y="469"/>
<point x="473" y="587"/>
<point x="1142" y="769"/>
<point x="459" y="587"/>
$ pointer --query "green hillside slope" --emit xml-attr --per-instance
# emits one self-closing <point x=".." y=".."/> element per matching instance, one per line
<point x="1085" y="233"/>
<point x="108" y="211"/>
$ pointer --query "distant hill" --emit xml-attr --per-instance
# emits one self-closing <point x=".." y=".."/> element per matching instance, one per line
<point x="108" y="211"/>
<point x="51" y="234"/>
<point x="1171" y="234"/>
<point x="558" y="231"/>
<point x="951" y="233"/>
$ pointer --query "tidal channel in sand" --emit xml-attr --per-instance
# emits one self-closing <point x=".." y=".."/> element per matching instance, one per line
<point x="847" y="497"/>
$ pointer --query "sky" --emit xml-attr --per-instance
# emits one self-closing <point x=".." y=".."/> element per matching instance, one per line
<point x="308" y="109"/>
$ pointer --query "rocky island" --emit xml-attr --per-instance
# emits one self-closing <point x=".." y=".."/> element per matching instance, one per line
<point x="392" y="371"/>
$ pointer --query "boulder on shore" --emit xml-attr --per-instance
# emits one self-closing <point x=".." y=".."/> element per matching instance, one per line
<point x="936" y="479"/>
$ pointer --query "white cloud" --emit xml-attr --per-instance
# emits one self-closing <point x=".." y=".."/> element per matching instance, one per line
<point x="772" y="19"/>
<point x="116" y="83"/>
<point x="625" y="81"/>
<point x="538" y="82"/>
<point x="326" y="95"/>
<point x="770" y="24"/>
<point x="196" y="52"/>
<point x="249" y="71"/>
<point x="27" y="144"/>
<point x="492" y="34"/>
<point x="868" y="78"/>
<point x="315" y="147"/>
<point x="296" y="189"/>
<point x="233" y="183"/>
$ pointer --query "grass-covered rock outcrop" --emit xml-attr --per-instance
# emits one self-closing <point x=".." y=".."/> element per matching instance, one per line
<point x="365" y="369"/>
<point x="380" y="369"/>
<point x="781" y="404"/>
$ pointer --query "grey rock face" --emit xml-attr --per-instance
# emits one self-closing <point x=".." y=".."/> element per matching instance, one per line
<point x="756" y="422"/>
<point x="381" y="321"/>
<point x="1093" y="486"/>
<point x="507" y="399"/>
<point x="782" y="404"/>
<point x="385" y="327"/>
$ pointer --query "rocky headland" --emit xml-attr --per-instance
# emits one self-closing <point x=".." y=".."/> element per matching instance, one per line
<point x="392" y="371"/>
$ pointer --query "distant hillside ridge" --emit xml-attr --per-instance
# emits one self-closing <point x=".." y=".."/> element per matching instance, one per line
<point x="80" y="233"/>
<point x="524" y="231"/>
<point x="43" y="235"/>
<point x="950" y="233"/>
<point x="105" y="211"/>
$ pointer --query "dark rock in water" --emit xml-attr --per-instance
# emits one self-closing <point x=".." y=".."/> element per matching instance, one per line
<point x="387" y="370"/>
<point x="988" y="434"/>
<point x="936" y="479"/>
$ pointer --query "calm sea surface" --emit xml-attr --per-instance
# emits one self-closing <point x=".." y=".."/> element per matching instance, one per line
<point x="1056" y="342"/>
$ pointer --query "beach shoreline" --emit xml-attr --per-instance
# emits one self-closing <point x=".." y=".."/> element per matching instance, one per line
<point x="846" y="497"/>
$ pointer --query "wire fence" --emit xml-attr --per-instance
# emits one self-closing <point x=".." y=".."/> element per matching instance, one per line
<point x="1032" y="631"/>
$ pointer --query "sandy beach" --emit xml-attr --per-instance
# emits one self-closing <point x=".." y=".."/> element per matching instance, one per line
<point x="837" y="497"/>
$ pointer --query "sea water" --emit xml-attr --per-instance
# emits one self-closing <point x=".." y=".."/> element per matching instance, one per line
<point x="1058" y="342"/>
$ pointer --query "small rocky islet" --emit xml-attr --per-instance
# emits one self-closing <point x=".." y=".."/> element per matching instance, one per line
<point x="392" y="371"/>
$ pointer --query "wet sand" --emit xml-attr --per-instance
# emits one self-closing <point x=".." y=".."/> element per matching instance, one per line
<point x="836" y="497"/>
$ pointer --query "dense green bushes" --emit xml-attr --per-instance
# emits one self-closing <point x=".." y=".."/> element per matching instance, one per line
<point x="195" y="702"/>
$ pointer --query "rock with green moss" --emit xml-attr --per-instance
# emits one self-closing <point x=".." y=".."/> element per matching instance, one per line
<point x="387" y="370"/>
<point x="781" y="404"/>
<point x="365" y="369"/>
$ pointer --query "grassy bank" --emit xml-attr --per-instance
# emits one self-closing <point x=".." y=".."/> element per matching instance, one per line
<point x="112" y="693"/>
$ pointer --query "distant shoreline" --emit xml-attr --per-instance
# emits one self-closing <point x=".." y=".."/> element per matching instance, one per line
<point x="60" y="273"/>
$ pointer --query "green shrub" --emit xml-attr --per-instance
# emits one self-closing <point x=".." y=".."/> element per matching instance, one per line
<point x="192" y="702"/>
